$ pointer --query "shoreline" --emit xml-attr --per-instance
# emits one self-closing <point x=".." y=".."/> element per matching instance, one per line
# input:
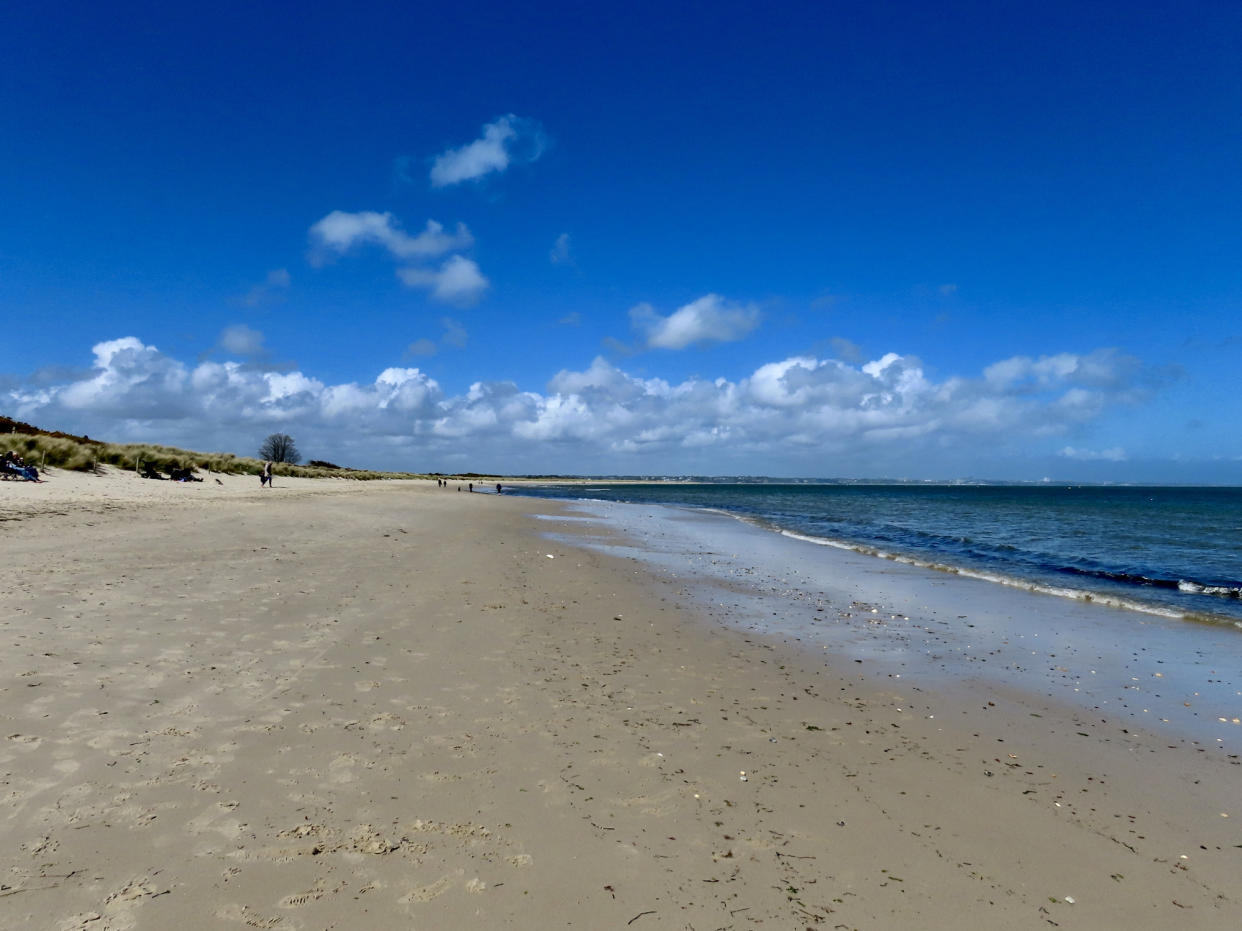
<point x="382" y="702"/>
<point x="1015" y="581"/>
<point x="1144" y="595"/>
<point x="949" y="628"/>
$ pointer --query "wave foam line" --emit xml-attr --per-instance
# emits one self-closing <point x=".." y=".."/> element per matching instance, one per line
<point x="1112" y="601"/>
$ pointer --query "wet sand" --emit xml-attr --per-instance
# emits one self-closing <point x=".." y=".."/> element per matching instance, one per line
<point x="332" y="705"/>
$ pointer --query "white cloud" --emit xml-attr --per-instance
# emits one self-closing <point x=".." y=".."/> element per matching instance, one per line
<point x="560" y="254"/>
<point x="1115" y="454"/>
<point x="1102" y="368"/>
<point x="339" y="232"/>
<point x="710" y="319"/>
<point x="241" y="340"/>
<point x="818" y="416"/>
<point x="458" y="280"/>
<point x="128" y="379"/>
<point x="283" y="386"/>
<point x="508" y="139"/>
<point x="604" y="381"/>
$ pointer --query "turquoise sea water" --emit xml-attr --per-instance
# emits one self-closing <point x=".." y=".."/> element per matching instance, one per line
<point x="1170" y="551"/>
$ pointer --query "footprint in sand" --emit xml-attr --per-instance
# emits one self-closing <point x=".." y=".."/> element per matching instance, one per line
<point x="275" y="854"/>
<point x="244" y="914"/>
<point x="135" y="889"/>
<point x="80" y="922"/>
<point x="429" y="892"/>
<point x="302" y="898"/>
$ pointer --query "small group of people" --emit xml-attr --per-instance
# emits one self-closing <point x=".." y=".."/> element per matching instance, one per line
<point x="183" y="474"/>
<point x="443" y="483"/>
<point x="13" y="465"/>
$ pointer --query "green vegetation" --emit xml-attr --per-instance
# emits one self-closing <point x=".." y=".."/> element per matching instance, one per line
<point x="44" y="449"/>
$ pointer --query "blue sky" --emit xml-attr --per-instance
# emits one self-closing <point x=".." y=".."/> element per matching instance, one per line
<point x="840" y="239"/>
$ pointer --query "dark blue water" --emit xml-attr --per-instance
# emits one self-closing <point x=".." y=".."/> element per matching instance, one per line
<point x="1176" y="551"/>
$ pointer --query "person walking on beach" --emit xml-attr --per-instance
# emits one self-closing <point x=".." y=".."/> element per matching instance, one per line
<point x="265" y="477"/>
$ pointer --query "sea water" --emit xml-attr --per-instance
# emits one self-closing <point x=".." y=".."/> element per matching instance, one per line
<point x="1117" y="600"/>
<point x="1168" y="550"/>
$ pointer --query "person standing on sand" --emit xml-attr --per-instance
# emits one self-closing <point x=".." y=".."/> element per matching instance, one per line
<point x="265" y="477"/>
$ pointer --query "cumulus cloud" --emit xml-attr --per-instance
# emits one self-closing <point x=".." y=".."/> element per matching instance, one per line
<point x="339" y="232"/>
<point x="710" y="319"/>
<point x="458" y="280"/>
<point x="128" y="378"/>
<point x="509" y="139"/>
<point x="828" y="415"/>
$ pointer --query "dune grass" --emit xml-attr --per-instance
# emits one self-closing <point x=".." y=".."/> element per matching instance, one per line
<point x="60" y="452"/>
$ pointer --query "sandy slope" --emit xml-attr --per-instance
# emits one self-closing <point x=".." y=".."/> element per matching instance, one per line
<point x="338" y="705"/>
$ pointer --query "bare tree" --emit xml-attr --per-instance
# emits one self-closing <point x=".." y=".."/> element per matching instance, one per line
<point x="279" y="447"/>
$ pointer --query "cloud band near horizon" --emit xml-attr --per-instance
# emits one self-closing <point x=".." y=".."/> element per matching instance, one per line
<point x="802" y="406"/>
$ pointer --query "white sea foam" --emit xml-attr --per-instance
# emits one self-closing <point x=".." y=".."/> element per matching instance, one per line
<point x="1113" y="601"/>
<point x="1195" y="588"/>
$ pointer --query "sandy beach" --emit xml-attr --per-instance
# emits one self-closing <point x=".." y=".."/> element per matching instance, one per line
<point x="389" y="705"/>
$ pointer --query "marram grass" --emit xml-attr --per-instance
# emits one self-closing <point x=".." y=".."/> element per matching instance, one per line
<point x="63" y="453"/>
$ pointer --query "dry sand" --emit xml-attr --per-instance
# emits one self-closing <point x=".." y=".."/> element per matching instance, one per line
<point x="339" y="705"/>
